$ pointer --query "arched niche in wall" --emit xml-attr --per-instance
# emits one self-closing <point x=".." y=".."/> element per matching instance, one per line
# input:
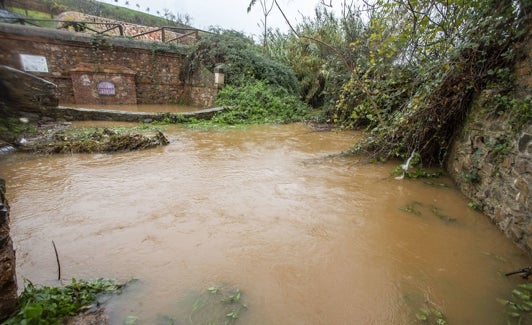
<point x="103" y="84"/>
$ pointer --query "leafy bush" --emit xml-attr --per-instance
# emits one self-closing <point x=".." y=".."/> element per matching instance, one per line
<point x="258" y="102"/>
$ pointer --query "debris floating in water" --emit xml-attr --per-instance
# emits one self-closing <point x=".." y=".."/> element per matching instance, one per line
<point x="406" y="165"/>
<point x="97" y="140"/>
<point x="6" y="149"/>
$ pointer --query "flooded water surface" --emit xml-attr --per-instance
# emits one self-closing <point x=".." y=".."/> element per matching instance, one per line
<point x="297" y="236"/>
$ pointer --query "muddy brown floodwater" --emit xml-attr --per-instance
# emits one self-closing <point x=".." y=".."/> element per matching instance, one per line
<point x="307" y="239"/>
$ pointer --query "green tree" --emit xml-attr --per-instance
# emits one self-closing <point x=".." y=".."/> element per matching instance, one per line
<point x="317" y="49"/>
<point x="266" y="8"/>
<point x="53" y="7"/>
<point x="242" y="59"/>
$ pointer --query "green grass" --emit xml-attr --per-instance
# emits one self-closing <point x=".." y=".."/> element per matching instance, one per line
<point x="35" y="15"/>
<point x="98" y="9"/>
<point x="49" y="305"/>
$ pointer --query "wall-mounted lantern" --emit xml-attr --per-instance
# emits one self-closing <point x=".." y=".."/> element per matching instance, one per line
<point x="219" y="75"/>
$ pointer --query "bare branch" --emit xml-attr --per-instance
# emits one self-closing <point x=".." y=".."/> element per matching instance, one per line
<point x="334" y="49"/>
<point x="322" y="2"/>
<point x="251" y="4"/>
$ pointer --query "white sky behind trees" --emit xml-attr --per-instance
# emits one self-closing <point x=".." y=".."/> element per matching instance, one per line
<point x="228" y="14"/>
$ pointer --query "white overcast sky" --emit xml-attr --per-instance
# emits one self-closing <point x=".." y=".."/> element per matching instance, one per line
<point x="228" y="14"/>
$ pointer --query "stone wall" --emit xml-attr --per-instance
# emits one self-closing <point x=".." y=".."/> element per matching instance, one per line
<point x="140" y="32"/>
<point x="26" y="92"/>
<point x="8" y="284"/>
<point x="492" y="162"/>
<point x="495" y="170"/>
<point x="157" y="65"/>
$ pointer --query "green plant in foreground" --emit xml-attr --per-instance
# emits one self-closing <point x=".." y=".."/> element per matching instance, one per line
<point x="519" y="307"/>
<point x="49" y="305"/>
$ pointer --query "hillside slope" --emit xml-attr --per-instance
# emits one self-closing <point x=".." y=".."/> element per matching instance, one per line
<point x="50" y="9"/>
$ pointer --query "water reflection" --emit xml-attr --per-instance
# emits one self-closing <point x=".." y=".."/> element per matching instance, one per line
<point x="308" y="239"/>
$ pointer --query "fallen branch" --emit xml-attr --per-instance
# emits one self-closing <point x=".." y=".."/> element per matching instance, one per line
<point x="525" y="272"/>
<point x="58" y="264"/>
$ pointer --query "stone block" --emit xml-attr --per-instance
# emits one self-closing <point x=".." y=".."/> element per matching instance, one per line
<point x="521" y="184"/>
<point x="515" y="232"/>
<point x="523" y="165"/>
<point x="525" y="144"/>
<point x="26" y="91"/>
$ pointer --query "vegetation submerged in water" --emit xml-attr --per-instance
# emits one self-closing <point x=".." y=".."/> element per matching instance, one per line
<point x="429" y="315"/>
<point x="49" y="305"/>
<point x="419" y="209"/>
<point x="423" y="310"/>
<point x="89" y="140"/>
<point x="519" y="306"/>
<point x="217" y="305"/>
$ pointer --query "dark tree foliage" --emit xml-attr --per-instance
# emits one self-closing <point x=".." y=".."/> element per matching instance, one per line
<point x="241" y="58"/>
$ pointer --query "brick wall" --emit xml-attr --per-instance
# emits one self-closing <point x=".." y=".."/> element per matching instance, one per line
<point x="156" y="65"/>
